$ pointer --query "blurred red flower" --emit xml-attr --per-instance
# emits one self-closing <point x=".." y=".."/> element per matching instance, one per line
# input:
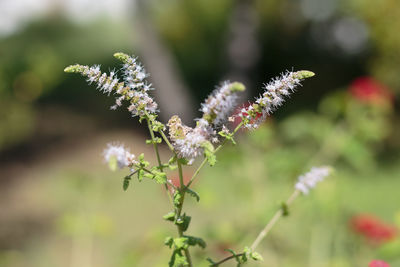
<point x="373" y="228"/>
<point x="378" y="263"/>
<point x="369" y="90"/>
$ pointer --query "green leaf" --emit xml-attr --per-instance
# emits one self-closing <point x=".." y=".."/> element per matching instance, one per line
<point x="209" y="153"/>
<point x="157" y="126"/>
<point x="256" y="256"/>
<point x="148" y="175"/>
<point x="193" y="241"/>
<point x="183" y="222"/>
<point x="178" y="259"/>
<point x="231" y="251"/>
<point x="243" y="258"/>
<point x="183" y="161"/>
<point x="181" y="242"/>
<point x="169" y="241"/>
<point x="141" y="157"/>
<point x="177" y="198"/>
<point x="165" y="165"/>
<point x="172" y="160"/>
<point x="172" y="167"/>
<point x="142" y="163"/>
<point x="160" y="177"/>
<point x="246" y="253"/>
<point x="212" y="263"/>
<point x="285" y="209"/>
<point x="169" y="216"/>
<point x="140" y="174"/>
<point x="193" y="194"/>
<point x="247" y="250"/>
<point x="126" y="182"/>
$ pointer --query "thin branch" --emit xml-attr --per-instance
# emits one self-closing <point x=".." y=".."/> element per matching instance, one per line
<point x="216" y="150"/>
<point x="158" y="155"/>
<point x="226" y="259"/>
<point x="273" y="221"/>
<point x="170" y="146"/>
<point x="182" y="190"/>
<point x="279" y="213"/>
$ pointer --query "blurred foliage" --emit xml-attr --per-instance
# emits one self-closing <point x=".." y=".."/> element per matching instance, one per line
<point x="91" y="223"/>
<point x="31" y="71"/>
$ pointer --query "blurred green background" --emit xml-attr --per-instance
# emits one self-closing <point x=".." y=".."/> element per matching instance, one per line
<point x="60" y="206"/>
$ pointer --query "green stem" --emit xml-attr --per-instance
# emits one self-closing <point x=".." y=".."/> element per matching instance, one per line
<point x="278" y="214"/>
<point x="149" y="171"/>
<point x="158" y="156"/>
<point x="226" y="259"/>
<point x="182" y="190"/>
<point x="154" y="144"/>
<point x="166" y="140"/>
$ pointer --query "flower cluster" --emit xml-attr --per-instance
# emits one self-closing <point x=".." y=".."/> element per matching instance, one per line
<point x="220" y="104"/>
<point x="373" y="228"/>
<point x="116" y="155"/>
<point x="272" y="98"/>
<point x="134" y="88"/>
<point x="135" y="79"/>
<point x="310" y="179"/>
<point x="105" y="83"/>
<point x="189" y="143"/>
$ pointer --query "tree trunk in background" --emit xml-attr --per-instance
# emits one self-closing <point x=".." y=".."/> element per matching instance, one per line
<point x="171" y="93"/>
<point x="243" y="48"/>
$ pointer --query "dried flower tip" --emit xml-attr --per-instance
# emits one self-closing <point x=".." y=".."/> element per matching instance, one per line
<point x="220" y="104"/>
<point x="309" y="180"/>
<point x="273" y="97"/>
<point x="188" y="142"/>
<point x="117" y="156"/>
<point x="177" y="130"/>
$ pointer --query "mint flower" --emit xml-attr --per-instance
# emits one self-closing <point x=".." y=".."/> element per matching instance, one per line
<point x="273" y="96"/>
<point x="117" y="155"/>
<point x="189" y="143"/>
<point x="105" y="83"/>
<point x="310" y="179"/>
<point x="221" y="102"/>
<point x="133" y="89"/>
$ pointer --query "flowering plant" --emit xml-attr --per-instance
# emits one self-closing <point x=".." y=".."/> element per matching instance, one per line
<point x="186" y="144"/>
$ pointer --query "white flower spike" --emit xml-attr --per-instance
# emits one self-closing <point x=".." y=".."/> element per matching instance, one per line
<point x="273" y="96"/>
<point x="310" y="179"/>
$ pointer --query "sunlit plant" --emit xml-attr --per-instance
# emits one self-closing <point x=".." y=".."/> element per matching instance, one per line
<point x="187" y="144"/>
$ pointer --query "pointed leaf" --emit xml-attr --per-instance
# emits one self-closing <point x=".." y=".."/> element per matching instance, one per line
<point x="126" y="182"/>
